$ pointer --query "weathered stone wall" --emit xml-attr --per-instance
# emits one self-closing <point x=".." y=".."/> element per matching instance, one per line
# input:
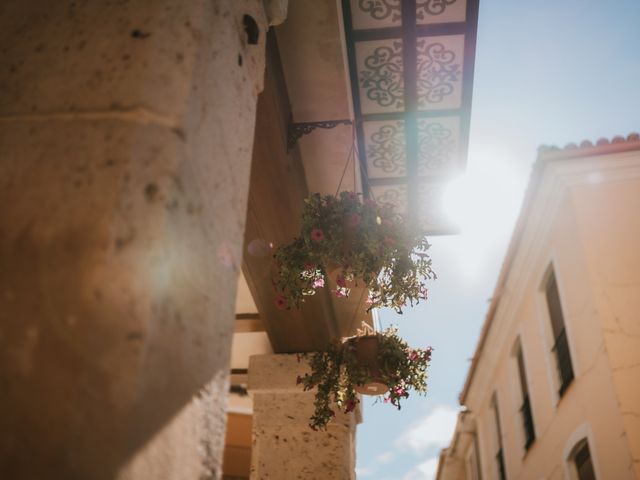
<point x="126" y="132"/>
<point x="284" y="446"/>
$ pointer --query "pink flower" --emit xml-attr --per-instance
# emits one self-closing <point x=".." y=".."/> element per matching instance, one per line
<point x="341" y="292"/>
<point x="369" y="301"/>
<point x="281" y="301"/>
<point x="340" y="281"/>
<point x="353" y="195"/>
<point x="413" y="355"/>
<point x="318" y="282"/>
<point x="350" y="405"/>
<point x="354" y="220"/>
<point x="317" y="235"/>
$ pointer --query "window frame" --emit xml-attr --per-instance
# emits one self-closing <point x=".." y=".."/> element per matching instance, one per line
<point x="472" y="461"/>
<point x="558" y="323"/>
<point x="498" y="456"/>
<point x="525" y="400"/>
<point x="580" y="435"/>
<point x="548" y="334"/>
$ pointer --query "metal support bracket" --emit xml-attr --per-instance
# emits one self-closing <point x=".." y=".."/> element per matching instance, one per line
<point x="297" y="130"/>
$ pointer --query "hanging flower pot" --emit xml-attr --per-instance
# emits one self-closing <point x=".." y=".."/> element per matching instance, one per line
<point x="379" y="364"/>
<point x="366" y="350"/>
<point x="353" y="241"/>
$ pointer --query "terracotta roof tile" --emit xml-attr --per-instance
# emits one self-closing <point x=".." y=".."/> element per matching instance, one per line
<point x="586" y="148"/>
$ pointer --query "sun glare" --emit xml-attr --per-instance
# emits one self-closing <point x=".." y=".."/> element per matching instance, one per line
<point x="483" y="204"/>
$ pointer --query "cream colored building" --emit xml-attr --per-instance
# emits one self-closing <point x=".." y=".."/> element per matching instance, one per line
<point x="152" y="152"/>
<point x="553" y="391"/>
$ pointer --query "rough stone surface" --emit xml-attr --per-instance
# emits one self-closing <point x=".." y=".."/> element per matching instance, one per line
<point x="126" y="132"/>
<point x="284" y="446"/>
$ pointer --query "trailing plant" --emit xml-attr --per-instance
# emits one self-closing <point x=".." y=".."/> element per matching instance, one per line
<point x="354" y="241"/>
<point x="336" y="372"/>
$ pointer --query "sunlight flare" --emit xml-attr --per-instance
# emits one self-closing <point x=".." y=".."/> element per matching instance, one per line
<point x="483" y="204"/>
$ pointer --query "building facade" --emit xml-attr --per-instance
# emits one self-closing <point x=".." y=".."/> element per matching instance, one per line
<point x="151" y="154"/>
<point x="553" y="390"/>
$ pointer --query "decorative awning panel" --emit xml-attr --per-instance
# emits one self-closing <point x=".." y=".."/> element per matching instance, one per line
<point x="411" y="70"/>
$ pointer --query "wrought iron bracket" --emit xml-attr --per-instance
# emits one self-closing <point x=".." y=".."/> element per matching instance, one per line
<point x="297" y="130"/>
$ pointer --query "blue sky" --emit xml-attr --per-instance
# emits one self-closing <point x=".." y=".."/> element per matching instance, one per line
<point x="547" y="72"/>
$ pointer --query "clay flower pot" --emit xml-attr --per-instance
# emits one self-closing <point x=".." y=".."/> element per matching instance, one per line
<point x="369" y="364"/>
<point x="365" y="350"/>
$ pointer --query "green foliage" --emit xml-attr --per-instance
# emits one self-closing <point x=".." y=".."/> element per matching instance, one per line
<point x="363" y="241"/>
<point x="336" y="371"/>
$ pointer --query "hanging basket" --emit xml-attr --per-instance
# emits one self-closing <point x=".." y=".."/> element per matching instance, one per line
<point x="365" y="350"/>
<point x="370" y="364"/>
<point x="364" y="241"/>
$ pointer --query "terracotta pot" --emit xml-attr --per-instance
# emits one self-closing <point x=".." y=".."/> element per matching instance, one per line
<point x="366" y="352"/>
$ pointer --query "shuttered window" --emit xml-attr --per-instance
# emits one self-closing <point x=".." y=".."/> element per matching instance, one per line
<point x="561" y="345"/>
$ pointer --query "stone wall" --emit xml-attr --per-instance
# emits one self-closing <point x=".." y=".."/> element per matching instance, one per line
<point x="126" y="132"/>
<point x="284" y="445"/>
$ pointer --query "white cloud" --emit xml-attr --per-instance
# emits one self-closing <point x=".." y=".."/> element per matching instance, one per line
<point x="363" y="471"/>
<point x="385" y="457"/>
<point x="434" y="430"/>
<point x="424" y="471"/>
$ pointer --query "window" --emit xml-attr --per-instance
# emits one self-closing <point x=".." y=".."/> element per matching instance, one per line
<point x="581" y="460"/>
<point x="525" y="409"/>
<point x="473" y="461"/>
<point x="500" y="454"/>
<point x="561" y="344"/>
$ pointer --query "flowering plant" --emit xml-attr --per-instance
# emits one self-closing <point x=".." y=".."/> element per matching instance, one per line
<point x="354" y="240"/>
<point x="337" y="372"/>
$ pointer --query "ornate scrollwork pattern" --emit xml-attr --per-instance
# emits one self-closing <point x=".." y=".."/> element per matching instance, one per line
<point x="381" y="9"/>
<point x="438" y="72"/>
<point x="386" y="149"/>
<point x="431" y="7"/>
<point x="382" y="77"/>
<point x="436" y="146"/>
<point x="395" y="196"/>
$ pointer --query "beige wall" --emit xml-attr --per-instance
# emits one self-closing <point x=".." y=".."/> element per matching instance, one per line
<point x="609" y="219"/>
<point x="125" y="150"/>
<point x="586" y="223"/>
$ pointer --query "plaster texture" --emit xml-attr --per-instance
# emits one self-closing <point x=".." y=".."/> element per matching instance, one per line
<point x="284" y="446"/>
<point x="610" y="228"/>
<point x="126" y="133"/>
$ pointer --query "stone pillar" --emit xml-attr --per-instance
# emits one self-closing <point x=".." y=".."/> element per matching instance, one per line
<point x="284" y="446"/>
<point x="126" y="132"/>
